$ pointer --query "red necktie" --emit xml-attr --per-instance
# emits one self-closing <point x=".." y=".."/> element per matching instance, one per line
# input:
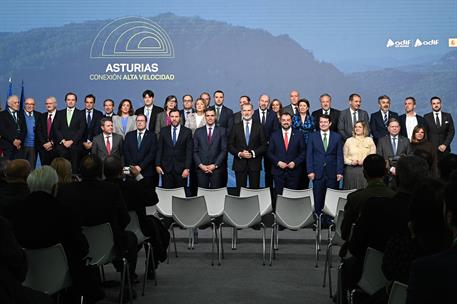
<point x="286" y="140"/>
<point x="209" y="136"/>
<point x="49" y="125"/>
<point x="108" y="145"/>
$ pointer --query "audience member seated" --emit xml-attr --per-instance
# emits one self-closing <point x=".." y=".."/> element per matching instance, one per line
<point x="3" y="164"/>
<point x="13" y="269"/>
<point x="447" y="165"/>
<point x="137" y="196"/>
<point x="433" y="279"/>
<point x="63" y="169"/>
<point x="94" y="202"/>
<point x="423" y="148"/>
<point x="16" y="189"/>
<point x="41" y="221"/>
<point x="374" y="170"/>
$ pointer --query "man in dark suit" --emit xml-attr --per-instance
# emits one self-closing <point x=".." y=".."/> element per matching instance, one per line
<point x="393" y="145"/>
<point x="187" y="107"/>
<point x="140" y="147"/>
<point x="324" y="161"/>
<point x="351" y="115"/>
<point x="440" y="127"/>
<point x="46" y="139"/>
<point x="410" y="119"/>
<point x="267" y="118"/>
<point x="12" y="130"/>
<point x="287" y="152"/>
<point x="108" y="108"/>
<point x="174" y="153"/>
<point x="107" y="143"/>
<point x="247" y="143"/>
<point x="210" y="151"/>
<point x="31" y="118"/>
<point x="69" y="126"/>
<point x="292" y="108"/>
<point x="224" y="116"/>
<point x="326" y="108"/>
<point x="379" y="119"/>
<point x="237" y="118"/>
<point x="149" y="109"/>
<point x="94" y="202"/>
<point x="93" y="117"/>
<point x="433" y="279"/>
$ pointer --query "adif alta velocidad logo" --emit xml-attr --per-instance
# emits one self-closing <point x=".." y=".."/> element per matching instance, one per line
<point x="132" y="47"/>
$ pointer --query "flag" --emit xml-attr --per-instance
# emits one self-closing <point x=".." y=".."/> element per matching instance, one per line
<point x="10" y="92"/>
<point x="21" y="102"/>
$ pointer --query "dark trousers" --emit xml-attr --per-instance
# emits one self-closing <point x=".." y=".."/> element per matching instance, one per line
<point x="319" y="189"/>
<point x="46" y="157"/>
<point x="127" y="246"/>
<point x="12" y="154"/>
<point x="30" y="155"/>
<point x="288" y="179"/>
<point x="172" y="180"/>
<point x="242" y="179"/>
<point x="268" y="175"/>
<point x="211" y="181"/>
<point x="193" y="181"/>
<point x="72" y="154"/>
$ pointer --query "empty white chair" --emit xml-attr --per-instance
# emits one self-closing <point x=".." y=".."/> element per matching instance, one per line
<point x="292" y="193"/>
<point x="264" y="195"/>
<point x="164" y="204"/>
<point x="215" y="199"/>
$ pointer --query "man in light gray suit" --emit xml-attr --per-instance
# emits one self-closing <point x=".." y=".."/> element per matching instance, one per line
<point x="393" y="145"/>
<point x="351" y="115"/>
<point x="107" y="143"/>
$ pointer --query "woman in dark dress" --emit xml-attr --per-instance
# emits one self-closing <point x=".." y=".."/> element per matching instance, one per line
<point x="423" y="148"/>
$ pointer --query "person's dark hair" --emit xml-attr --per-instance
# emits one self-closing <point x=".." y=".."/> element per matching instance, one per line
<point x="90" y="96"/>
<point x="426" y="216"/>
<point x="108" y="100"/>
<point x="145" y="117"/>
<point x="412" y="98"/>
<point x="391" y="120"/>
<point x="91" y="167"/>
<point x="383" y="97"/>
<point x="112" y="167"/>
<point x="187" y="95"/>
<point x="306" y="101"/>
<point x="351" y="97"/>
<point x="279" y="102"/>
<point x="210" y="110"/>
<point x="175" y="110"/>
<point x="119" y="112"/>
<point x="247" y="97"/>
<point x="415" y="131"/>
<point x="148" y="93"/>
<point x="447" y="165"/>
<point x="105" y="119"/>
<point x="71" y="93"/>
<point x="326" y="116"/>
<point x="451" y="201"/>
<point x="18" y="170"/>
<point x="374" y="166"/>
<point x="409" y="171"/>
<point x="170" y="97"/>
<point x="435" y="97"/>
<point x="218" y="91"/>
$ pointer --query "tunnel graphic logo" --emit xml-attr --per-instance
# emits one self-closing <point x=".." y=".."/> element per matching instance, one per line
<point x="132" y="37"/>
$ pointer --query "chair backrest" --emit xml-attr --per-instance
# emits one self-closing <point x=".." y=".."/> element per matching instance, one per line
<point x="215" y="199"/>
<point x="292" y="193"/>
<point x="101" y="243"/>
<point x="47" y="269"/>
<point x="294" y="213"/>
<point x="372" y="278"/>
<point x="242" y="212"/>
<point x="398" y="293"/>
<point x="332" y="197"/>
<point x="264" y="195"/>
<point x="165" y="195"/>
<point x="134" y="226"/>
<point x="190" y="212"/>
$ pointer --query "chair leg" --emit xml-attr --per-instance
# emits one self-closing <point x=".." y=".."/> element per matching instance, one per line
<point x="234" y="238"/>
<point x="213" y="234"/>
<point x="330" y="271"/>
<point x="129" y="283"/>
<point x="102" y="273"/>
<point x="339" y="291"/>
<point x="271" y="244"/>
<point x="326" y="265"/>
<point x="174" y="240"/>
<point x="221" y="245"/>
<point x="263" y="245"/>
<point x="316" y="247"/>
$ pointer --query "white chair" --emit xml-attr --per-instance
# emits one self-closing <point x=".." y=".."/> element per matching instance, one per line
<point x="101" y="252"/>
<point x="192" y="213"/>
<point x="47" y="270"/>
<point x="372" y="278"/>
<point x="292" y="193"/>
<point x="164" y="204"/>
<point x="134" y="226"/>
<point x="398" y="293"/>
<point x="264" y="195"/>
<point x="215" y="199"/>
<point x="241" y="213"/>
<point x="294" y="214"/>
<point x="336" y="240"/>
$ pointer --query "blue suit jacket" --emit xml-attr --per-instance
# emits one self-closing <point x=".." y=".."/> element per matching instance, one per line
<point x="271" y="123"/>
<point x="320" y="162"/>
<point x="377" y="127"/>
<point x="145" y="155"/>
<point x="214" y="153"/>
<point x="296" y="151"/>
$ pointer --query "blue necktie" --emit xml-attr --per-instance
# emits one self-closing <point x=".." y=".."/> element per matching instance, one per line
<point x="247" y="133"/>
<point x="89" y="118"/>
<point x="394" y="145"/>
<point x="174" y="136"/>
<point x="139" y="139"/>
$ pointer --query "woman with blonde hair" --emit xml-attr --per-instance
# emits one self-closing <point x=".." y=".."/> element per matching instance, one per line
<point x="63" y="169"/>
<point x="197" y="119"/>
<point x="355" y="150"/>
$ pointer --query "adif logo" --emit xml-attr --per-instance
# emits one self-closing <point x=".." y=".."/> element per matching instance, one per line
<point x="420" y="43"/>
<point x="398" y="44"/>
